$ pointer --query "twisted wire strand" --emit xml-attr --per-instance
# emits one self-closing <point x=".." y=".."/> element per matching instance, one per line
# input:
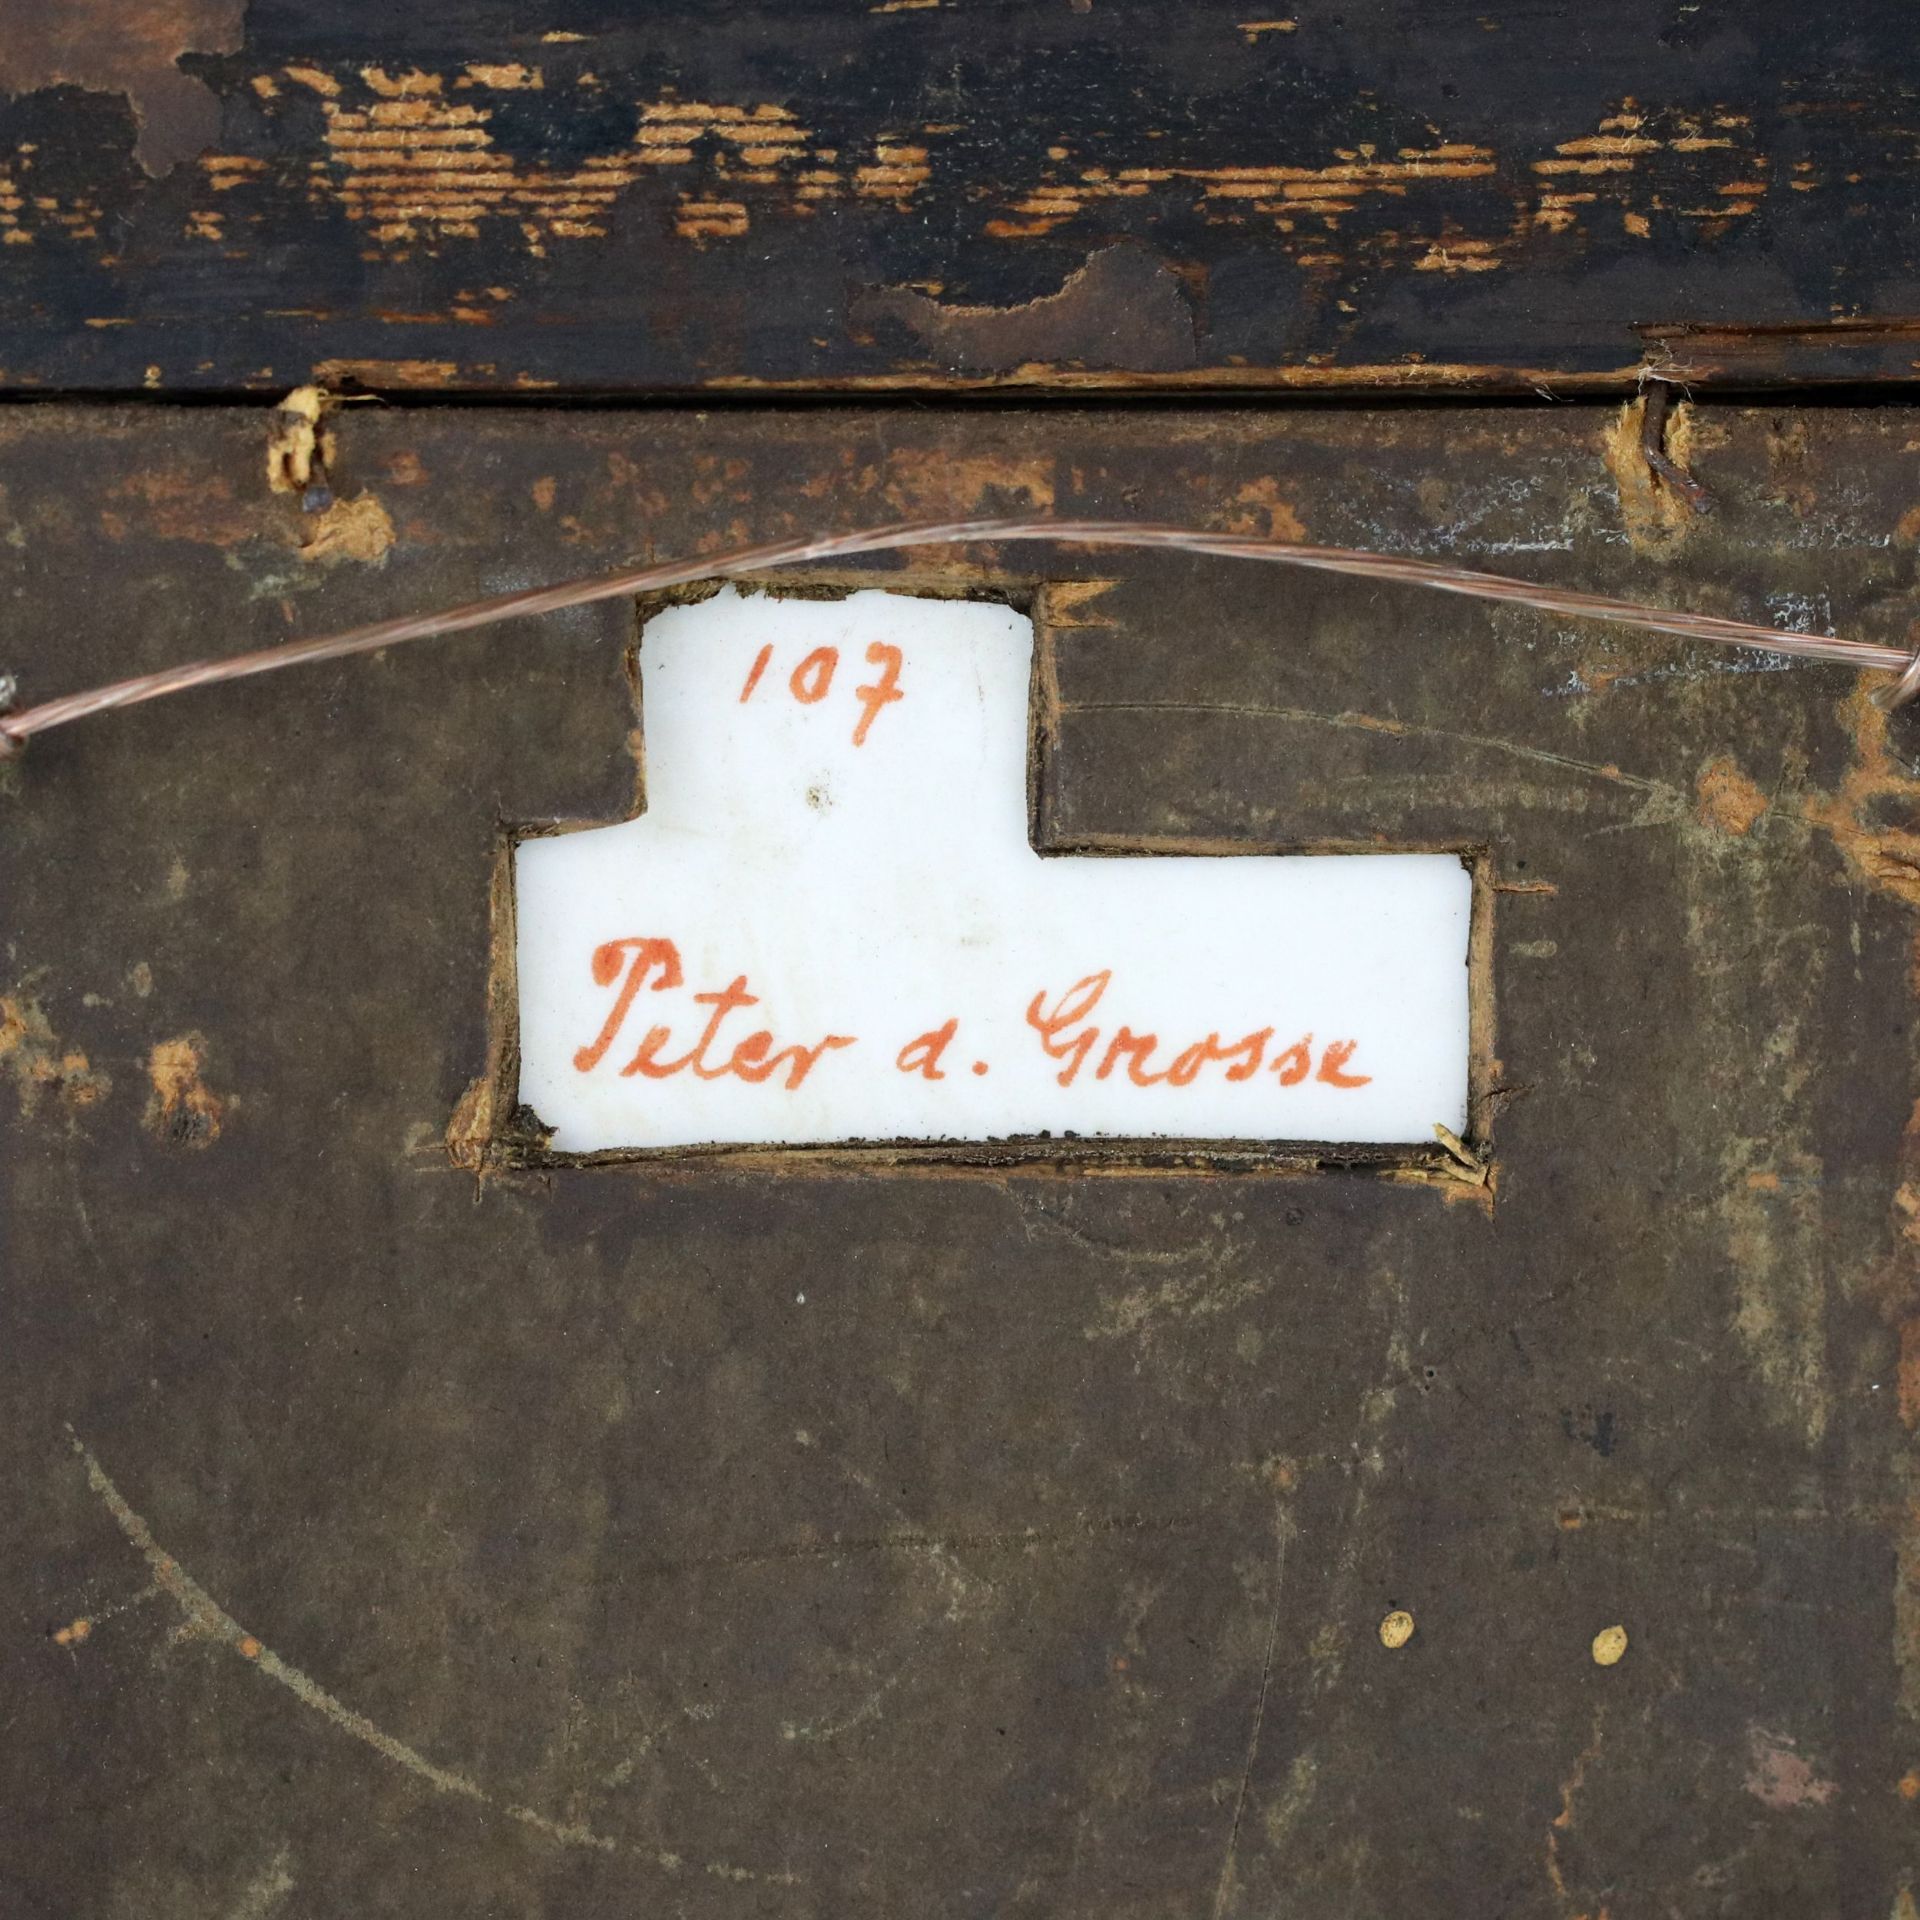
<point x="17" y="727"/>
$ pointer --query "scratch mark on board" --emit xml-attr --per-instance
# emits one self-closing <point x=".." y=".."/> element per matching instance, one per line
<point x="1283" y="1530"/>
<point x="1562" y="1821"/>
<point x="206" y="1619"/>
<point x="922" y="1544"/>
<point x="1394" y="729"/>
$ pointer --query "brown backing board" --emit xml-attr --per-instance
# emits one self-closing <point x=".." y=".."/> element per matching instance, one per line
<point x="383" y="1537"/>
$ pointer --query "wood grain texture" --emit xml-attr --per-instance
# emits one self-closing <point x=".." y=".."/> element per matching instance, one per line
<point x="525" y="1545"/>
<point x="660" y="198"/>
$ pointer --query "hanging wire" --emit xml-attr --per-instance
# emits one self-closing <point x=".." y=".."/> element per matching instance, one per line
<point x="18" y="727"/>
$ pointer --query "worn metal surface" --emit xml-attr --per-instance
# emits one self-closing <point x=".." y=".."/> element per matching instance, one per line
<point x="642" y="199"/>
<point x="379" y="1538"/>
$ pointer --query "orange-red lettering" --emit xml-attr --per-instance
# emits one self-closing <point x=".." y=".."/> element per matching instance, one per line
<point x="754" y="1059"/>
<point x="607" y="959"/>
<point x="1254" y="1046"/>
<point x="1073" y="1006"/>
<point x="733" y="995"/>
<point x="1334" y="1060"/>
<point x="1187" y="1064"/>
<point x="799" y="1061"/>
<point x="810" y="680"/>
<point x="646" y="1060"/>
<point x="1296" y="1063"/>
<point x="921" y="1054"/>
<point x="749" y="1058"/>
<point x="882" y="692"/>
<point x="759" y="667"/>
<point x="1067" y="1033"/>
<point x="1137" y="1046"/>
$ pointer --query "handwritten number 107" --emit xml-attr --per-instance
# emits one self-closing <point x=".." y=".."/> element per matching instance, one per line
<point x="812" y="680"/>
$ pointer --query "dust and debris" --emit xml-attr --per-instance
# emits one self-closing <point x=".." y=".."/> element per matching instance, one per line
<point x="183" y="1110"/>
<point x="1727" y="799"/>
<point x="358" y="529"/>
<point x="1780" y="1777"/>
<point x="39" y="1066"/>
<point x="1609" y="1646"/>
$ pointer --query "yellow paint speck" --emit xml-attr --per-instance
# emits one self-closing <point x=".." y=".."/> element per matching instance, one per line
<point x="1609" y="1646"/>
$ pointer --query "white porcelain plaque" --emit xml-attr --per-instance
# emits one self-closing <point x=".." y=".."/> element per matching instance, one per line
<point x="830" y="925"/>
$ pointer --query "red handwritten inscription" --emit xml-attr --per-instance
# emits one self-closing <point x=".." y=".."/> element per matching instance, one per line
<point x="812" y="680"/>
<point x="637" y="956"/>
<point x="1066" y="1030"/>
<point x="754" y="672"/>
<point x="880" y="693"/>
<point x="755" y="1058"/>
<point x="923" y="1052"/>
<point x="1066" y="1033"/>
